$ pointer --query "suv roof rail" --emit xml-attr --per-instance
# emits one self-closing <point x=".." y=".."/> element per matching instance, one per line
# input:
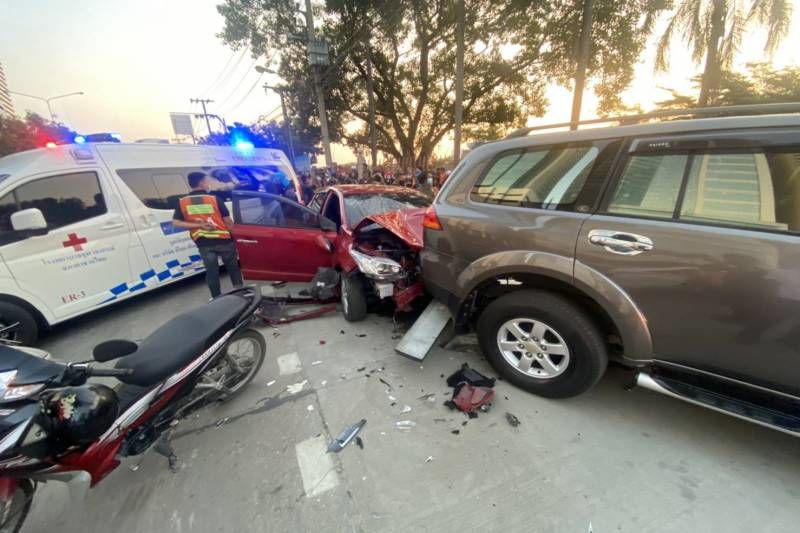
<point x="749" y="109"/>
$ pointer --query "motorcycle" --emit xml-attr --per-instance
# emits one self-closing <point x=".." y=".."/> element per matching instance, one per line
<point x="55" y="425"/>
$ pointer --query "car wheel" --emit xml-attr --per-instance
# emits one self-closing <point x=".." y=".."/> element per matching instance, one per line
<point x="26" y="331"/>
<point x="543" y="343"/>
<point x="354" y="299"/>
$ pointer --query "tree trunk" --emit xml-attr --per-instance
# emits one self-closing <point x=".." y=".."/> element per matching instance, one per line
<point x="710" y="82"/>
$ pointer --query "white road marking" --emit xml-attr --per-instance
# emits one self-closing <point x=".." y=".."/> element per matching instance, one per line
<point x="289" y="364"/>
<point x="316" y="466"/>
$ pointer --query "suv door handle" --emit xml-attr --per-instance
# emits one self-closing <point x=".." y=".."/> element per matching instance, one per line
<point x="620" y="242"/>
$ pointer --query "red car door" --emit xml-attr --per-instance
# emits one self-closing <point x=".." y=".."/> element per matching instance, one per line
<point x="279" y="239"/>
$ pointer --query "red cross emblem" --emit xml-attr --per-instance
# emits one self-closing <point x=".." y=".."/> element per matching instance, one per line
<point x="74" y="241"/>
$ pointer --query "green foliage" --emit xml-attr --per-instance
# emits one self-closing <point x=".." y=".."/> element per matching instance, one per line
<point x="513" y="50"/>
<point x="759" y="85"/>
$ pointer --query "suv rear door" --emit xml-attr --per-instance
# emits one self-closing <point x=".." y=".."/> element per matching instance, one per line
<point x="703" y="233"/>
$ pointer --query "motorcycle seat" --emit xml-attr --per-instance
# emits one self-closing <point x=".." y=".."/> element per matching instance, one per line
<point x="177" y="342"/>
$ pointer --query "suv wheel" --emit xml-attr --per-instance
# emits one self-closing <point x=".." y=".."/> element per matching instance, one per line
<point x="543" y="343"/>
<point x="354" y="298"/>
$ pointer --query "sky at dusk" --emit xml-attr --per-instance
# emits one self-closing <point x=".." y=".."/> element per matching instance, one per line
<point x="136" y="61"/>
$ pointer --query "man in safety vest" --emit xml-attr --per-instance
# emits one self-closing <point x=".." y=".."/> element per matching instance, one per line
<point x="208" y="222"/>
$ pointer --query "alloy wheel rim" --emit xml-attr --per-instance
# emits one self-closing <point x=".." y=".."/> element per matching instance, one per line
<point x="244" y="352"/>
<point x="533" y="348"/>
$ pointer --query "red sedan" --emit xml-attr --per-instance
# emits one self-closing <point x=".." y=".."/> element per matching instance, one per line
<point x="370" y="233"/>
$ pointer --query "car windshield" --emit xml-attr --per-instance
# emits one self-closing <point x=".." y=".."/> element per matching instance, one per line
<point x="360" y="206"/>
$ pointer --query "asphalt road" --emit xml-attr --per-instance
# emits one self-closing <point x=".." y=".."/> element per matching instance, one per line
<point x="618" y="460"/>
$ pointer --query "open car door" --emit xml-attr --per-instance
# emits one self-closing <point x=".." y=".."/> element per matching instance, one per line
<point x="279" y="239"/>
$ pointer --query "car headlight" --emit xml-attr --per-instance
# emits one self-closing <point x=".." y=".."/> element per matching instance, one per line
<point x="376" y="267"/>
<point x="9" y="391"/>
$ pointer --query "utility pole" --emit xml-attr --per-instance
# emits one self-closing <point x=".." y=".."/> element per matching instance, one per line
<point x="203" y="102"/>
<point x="583" y="63"/>
<point x="373" y="144"/>
<point x="459" y="105"/>
<point x="287" y="132"/>
<point x="323" y="116"/>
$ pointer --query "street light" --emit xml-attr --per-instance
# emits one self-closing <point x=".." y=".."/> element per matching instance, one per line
<point x="48" y="100"/>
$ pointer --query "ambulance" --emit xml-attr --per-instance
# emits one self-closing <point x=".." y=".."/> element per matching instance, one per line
<point x="84" y="226"/>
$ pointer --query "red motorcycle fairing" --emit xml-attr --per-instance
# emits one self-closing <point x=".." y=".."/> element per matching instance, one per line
<point x="7" y="488"/>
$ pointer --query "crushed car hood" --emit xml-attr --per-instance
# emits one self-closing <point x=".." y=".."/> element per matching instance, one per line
<point x="404" y="223"/>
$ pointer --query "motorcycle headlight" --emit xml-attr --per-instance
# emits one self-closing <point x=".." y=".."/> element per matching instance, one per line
<point x="376" y="267"/>
<point x="9" y="391"/>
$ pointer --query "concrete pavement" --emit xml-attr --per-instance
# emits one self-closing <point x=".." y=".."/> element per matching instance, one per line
<point x="620" y="460"/>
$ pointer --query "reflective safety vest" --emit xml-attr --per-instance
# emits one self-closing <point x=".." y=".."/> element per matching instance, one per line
<point x="204" y="208"/>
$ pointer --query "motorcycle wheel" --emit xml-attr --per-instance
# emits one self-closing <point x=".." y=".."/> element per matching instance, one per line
<point x="248" y="351"/>
<point x="14" y="511"/>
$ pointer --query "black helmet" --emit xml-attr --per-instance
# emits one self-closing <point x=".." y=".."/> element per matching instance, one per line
<point x="79" y="415"/>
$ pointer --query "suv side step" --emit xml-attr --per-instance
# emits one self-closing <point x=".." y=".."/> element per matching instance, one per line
<point x="786" y="419"/>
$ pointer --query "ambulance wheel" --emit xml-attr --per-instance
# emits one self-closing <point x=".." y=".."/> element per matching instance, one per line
<point x="26" y="331"/>
<point x="354" y="299"/>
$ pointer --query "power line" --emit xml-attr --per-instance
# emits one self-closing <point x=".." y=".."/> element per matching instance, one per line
<point x="243" y="98"/>
<point x="222" y="72"/>
<point x="235" y="87"/>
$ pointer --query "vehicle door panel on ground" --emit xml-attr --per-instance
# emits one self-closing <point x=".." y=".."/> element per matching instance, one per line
<point x="719" y="287"/>
<point x="278" y="239"/>
<point x="88" y="235"/>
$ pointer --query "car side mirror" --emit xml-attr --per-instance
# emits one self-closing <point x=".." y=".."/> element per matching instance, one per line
<point x="113" y="349"/>
<point x="30" y="220"/>
<point x="327" y="224"/>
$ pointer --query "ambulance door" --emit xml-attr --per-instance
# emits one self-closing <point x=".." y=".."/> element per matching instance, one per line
<point x="83" y="255"/>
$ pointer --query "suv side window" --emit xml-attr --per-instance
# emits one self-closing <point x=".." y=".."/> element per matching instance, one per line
<point x="649" y="186"/>
<point x="760" y="189"/>
<point x="541" y="177"/>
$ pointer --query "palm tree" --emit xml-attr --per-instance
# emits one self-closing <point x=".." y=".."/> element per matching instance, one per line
<point x="714" y="29"/>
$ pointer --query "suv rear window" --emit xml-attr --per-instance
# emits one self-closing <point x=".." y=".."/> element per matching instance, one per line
<point x="548" y="178"/>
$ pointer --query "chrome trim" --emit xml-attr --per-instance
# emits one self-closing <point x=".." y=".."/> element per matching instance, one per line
<point x="646" y="381"/>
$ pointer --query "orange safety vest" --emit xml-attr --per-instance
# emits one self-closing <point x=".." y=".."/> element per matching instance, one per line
<point x="204" y="208"/>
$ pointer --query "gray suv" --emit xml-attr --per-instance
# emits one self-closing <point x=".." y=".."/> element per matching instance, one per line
<point x="670" y="247"/>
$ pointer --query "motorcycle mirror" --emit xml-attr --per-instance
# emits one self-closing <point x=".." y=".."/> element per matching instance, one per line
<point x="113" y="349"/>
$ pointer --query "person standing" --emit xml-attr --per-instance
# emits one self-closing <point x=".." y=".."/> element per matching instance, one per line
<point x="209" y="223"/>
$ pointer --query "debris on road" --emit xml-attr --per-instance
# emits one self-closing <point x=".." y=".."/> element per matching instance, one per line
<point x="455" y="431"/>
<point x="222" y="421"/>
<point x="310" y="407"/>
<point x="270" y="383"/>
<point x="429" y="459"/>
<point x="405" y="425"/>
<point x="346" y="436"/>
<point x="513" y="420"/>
<point x="315" y="363"/>
<point x="359" y="443"/>
<point x="297" y="387"/>
<point x="361" y="369"/>
<point x="472" y="391"/>
<point x="428" y="397"/>
<point x="278" y="283"/>
<point x="386" y="383"/>
<point x="321" y="342"/>
<point x="405" y="409"/>
<point x="341" y="331"/>
<point x="361" y="335"/>
<point x="323" y="383"/>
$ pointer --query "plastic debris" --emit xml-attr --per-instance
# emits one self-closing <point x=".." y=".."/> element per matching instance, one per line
<point x="321" y="341"/>
<point x="315" y="363"/>
<point x="361" y="335"/>
<point x="429" y="459"/>
<point x="359" y="443"/>
<point x="472" y="391"/>
<point x="310" y="407"/>
<point x="297" y="387"/>
<point x="222" y="421"/>
<point x="270" y="383"/>
<point x="361" y="369"/>
<point x="455" y="431"/>
<point x="513" y="420"/>
<point x="392" y="398"/>
<point x="341" y="331"/>
<point x="405" y="409"/>
<point x="386" y="383"/>
<point x="428" y="397"/>
<point x="405" y="425"/>
<point x="323" y="383"/>
<point x="346" y="436"/>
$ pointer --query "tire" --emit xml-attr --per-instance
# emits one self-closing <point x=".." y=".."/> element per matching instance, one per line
<point x="354" y="299"/>
<point x="238" y="383"/>
<point x="564" y="328"/>
<point x="13" y="522"/>
<point x="28" y="330"/>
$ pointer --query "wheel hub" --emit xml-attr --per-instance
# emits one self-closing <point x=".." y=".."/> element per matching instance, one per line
<point x="533" y="348"/>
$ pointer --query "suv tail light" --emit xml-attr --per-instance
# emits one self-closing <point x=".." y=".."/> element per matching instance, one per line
<point x="431" y="220"/>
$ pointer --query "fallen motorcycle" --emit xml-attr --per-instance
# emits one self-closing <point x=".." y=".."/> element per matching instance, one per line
<point x="55" y="425"/>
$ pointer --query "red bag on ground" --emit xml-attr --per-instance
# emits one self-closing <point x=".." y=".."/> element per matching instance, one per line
<point x="470" y="398"/>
